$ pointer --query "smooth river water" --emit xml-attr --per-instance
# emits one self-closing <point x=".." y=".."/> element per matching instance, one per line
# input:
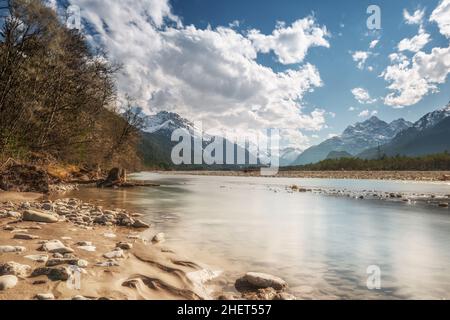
<point x="321" y="245"/>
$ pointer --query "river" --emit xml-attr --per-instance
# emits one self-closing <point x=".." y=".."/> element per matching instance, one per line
<point x="321" y="245"/>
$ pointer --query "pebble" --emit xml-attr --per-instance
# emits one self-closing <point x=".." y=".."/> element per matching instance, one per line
<point x="140" y="224"/>
<point x="14" y="269"/>
<point x="106" y="264"/>
<point x="12" y="249"/>
<point x="56" y="246"/>
<point x="443" y="205"/>
<point x="80" y="298"/>
<point x="45" y="296"/>
<point x="117" y="253"/>
<point x="160" y="237"/>
<point x="88" y="248"/>
<point x="24" y="236"/>
<point x="54" y="274"/>
<point x="124" y="245"/>
<point x="13" y="214"/>
<point x="38" y="216"/>
<point x="38" y="258"/>
<point x="8" y="282"/>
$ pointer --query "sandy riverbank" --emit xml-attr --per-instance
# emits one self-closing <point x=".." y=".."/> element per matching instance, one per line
<point x="376" y="175"/>
<point x="83" y="251"/>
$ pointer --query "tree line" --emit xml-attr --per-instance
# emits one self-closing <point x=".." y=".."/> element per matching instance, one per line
<point x="432" y="162"/>
<point x="58" y="95"/>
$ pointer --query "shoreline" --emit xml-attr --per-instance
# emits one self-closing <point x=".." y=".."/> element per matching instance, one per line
<point x="419" y="176"/>
<point x="66" y="250"/>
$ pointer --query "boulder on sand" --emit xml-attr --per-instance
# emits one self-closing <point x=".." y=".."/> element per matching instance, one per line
<point x="8" y="282"/>
<point x="38" y="216"/>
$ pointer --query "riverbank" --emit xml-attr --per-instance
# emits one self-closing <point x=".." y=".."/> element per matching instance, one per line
<point x="369" y="175"/>
<point x="69" y="249"/>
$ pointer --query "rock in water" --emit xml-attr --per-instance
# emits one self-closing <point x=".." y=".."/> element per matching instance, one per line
<point x="14" y="269"/>
<point x="160" y="237"/>
<point x="7" y="282"/>
<point x="38" y="216"/>
<point x="116" y="176"/>
<point x="261" y="280"/>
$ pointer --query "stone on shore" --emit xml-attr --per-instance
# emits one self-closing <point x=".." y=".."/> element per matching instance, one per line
<point x="45" y="296"/>
<point x="139" y="224"/>
<point x="8" y="282"/>
<point x="37" y="258"/>
<point x="443" y="205"/>
<point x="56" y="246"/>
<point x="24" y="236"/>
<point x="11" y="249"/>
<point x="124" y="245"/>
<point x="117" y="253"/>
<point x="38" y="216"/>
<point x="261" y="281"/>
<point x="14" y="269"/>
<point x="54" y="274"/>
<point x="80" y="298"/>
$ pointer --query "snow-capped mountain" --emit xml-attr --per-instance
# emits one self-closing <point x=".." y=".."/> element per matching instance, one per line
<point x="355" y="139"/>
<point x="166" y="122"/>
<point x="430" y="134"/>
<point x="432" y="118"/>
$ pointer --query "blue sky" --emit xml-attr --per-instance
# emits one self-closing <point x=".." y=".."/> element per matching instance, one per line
<point x="310" y="68"/>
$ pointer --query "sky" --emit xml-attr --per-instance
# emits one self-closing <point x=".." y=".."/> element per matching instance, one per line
<point x="309" y="68"/>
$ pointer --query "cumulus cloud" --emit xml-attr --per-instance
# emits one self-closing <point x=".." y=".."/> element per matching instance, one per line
<point x="412" y="79"/>
<point x="441" y="15"/>
<point x="415" y="18"/>
<point x="360" y="57"/>
<point x="291" y="44"/>
<point x="366" y="113"/>
<point x="416" y="43"/>
<point x="209" y="75"/>
<point x="362" y="96"/>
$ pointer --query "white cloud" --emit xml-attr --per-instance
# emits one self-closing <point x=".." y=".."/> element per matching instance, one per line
<point x="360" y="57"/>
<point x="291" y="44"/>
<point x="373" y="44"/>
<point x="366" y="113"/>
<point x="208" y="75"/>
<point x="415" y="18"/>
<point x="362" y="96"/>
<point x="351" y="109"/>
<point x="412" y="80"/>
<point x="441" y="15"/>
<point x="416" y="43"/>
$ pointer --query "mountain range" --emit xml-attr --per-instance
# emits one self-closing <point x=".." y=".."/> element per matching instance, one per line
<point x="368" y="139"/>
<point x="355" y="139"/>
